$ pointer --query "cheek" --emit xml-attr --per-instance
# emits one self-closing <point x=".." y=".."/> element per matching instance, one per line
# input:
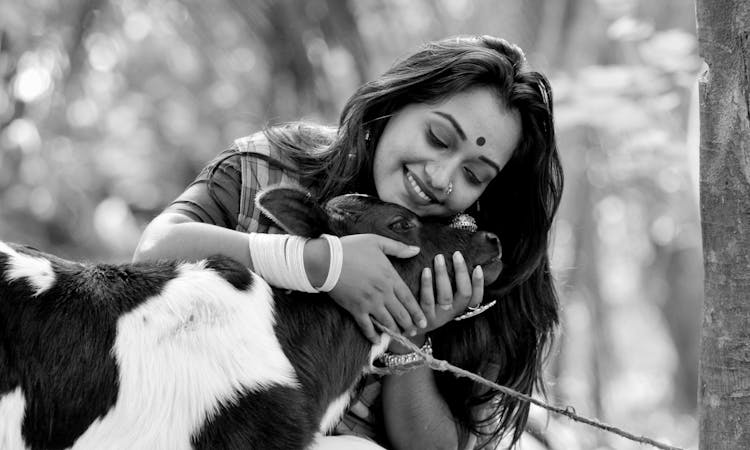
<point x="378" y="175"/>
<point x="465" y="198"/>
<point x="385" y="173"/>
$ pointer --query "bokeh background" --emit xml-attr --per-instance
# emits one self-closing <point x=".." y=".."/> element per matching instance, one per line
<point x="108" y="109"/>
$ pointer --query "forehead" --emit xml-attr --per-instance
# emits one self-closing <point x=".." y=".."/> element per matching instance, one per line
<point x="480" y="113"/>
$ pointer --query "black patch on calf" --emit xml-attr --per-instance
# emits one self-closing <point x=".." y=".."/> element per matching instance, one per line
<point x="328" y="353"/>
<point x="268" y="419"/>
<point x="294" y="211"/>
<point x="235" y="273"/>
<point x="57" y="346"/>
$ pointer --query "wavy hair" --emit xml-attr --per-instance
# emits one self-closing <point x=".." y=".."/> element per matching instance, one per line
<point x="510" y="341"/>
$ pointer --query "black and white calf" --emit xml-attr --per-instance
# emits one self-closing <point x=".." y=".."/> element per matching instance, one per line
<point x="192" y="354"/>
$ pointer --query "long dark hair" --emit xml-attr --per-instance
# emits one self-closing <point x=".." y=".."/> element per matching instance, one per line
<point x="518" y="205"/>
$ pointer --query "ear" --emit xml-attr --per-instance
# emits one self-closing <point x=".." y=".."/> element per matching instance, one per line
<point x="293" y="210"/>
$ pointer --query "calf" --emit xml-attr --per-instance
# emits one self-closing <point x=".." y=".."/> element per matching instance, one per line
<point x="193" y="354"/>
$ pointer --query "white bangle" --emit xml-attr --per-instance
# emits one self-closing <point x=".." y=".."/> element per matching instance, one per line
<point x="335" y="263"/>
<point x="279" y="259"/>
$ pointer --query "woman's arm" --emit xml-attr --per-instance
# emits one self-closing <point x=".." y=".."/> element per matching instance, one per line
<point x="176" y="236"/>
<point x="416" y="416"/>
<point x="173" y="235"/>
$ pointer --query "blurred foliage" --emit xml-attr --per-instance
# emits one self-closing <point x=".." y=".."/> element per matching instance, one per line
<point x="109" y="109"/>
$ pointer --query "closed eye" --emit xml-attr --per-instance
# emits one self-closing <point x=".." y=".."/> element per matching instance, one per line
<point x="472" y="177"/>
<point x="434" y="140"/>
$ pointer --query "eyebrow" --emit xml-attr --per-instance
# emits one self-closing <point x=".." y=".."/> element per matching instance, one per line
<point x="462" y="135"/>
<point x="492" y="163"/>
<point x="453" y="122"/>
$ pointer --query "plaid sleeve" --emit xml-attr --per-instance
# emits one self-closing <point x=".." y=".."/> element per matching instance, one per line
<point x="223" y="206"/>
<point x="258" y="174"/>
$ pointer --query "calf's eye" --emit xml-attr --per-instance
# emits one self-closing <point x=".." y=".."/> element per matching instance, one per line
<point x="402" y="225"/>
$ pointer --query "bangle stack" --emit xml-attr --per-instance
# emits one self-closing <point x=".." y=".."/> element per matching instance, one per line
<point x="279" y="259"/>
<point x="335" y="263"/>
<point x="396" y="360"/>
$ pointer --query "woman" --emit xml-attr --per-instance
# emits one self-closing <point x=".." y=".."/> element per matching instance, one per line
<point x="459" y="126"/>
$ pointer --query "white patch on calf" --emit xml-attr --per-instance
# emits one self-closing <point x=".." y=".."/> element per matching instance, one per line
<point x="184" y="353"/>
<point x="12" y="408"/>
<point x="38" y="271"/>
<point x="334" y="412"/>
<point x="336" y="409"/>
<point x="380" y="347"/>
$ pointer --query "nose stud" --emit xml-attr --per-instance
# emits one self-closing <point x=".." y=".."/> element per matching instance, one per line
<point x="449" y="189"/>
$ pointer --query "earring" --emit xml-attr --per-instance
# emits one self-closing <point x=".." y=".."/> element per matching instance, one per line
<point x="464" y="221"/>
<point x="367" y="135"/>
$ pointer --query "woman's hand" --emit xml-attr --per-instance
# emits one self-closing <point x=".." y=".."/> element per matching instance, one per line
<point x="449" y="304"/>
<point x="370" y="288"/>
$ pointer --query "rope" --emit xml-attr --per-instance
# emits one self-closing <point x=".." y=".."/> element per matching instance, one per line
<point x="569" y="412"/>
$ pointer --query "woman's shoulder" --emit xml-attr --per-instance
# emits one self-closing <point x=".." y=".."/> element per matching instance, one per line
<point x="287" y="139"/>
<point x="253" y="143"/>
<point x="300" y="137"/>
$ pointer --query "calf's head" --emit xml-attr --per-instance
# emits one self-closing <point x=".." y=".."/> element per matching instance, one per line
<point x="296" y="212"/>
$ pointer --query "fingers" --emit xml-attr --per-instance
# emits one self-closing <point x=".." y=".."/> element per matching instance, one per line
<point x="385" y="317"/>
<point x="443" y="284"/>
<point x="463" y="281"/>
<point x="477" y="282"/>
<point x="396" y="248"/>
<point x="407" y="312"/>
<point x="427" y="294"/>
<point x="365" y="324"/>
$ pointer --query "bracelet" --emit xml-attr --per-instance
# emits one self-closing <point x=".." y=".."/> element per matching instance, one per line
<point x="395" y="360"/>
<point x="279" y="259"/>
<point x="475" y="310"/>
<point x="335" y="263"/>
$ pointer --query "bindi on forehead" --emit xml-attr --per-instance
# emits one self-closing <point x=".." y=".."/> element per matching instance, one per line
<point x="481" y="141"/>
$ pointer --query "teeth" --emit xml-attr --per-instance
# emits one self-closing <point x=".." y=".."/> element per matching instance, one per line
<point x="416" y="188"/>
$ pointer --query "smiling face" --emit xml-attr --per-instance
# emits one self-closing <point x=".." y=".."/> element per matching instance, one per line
<point x="437" y="159"/>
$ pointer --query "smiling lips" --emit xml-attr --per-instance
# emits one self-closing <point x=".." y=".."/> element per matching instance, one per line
<point x="418" y="189"/>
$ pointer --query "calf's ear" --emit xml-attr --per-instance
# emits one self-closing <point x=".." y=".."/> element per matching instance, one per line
<point x="293" y="210"/>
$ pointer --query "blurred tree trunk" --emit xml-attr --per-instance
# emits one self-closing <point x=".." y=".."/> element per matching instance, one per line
<point x="724" y="393"/>
<point x="582" y="355"/>
<point x="80" y="20"/>
<point x="294" y="34"/>
<point x="7" y="73"/>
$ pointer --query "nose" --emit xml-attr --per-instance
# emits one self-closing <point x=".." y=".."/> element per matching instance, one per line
<point x="438" y="174"/>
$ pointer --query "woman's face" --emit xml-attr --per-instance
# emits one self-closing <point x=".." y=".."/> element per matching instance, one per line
<point x="437" y="159"/>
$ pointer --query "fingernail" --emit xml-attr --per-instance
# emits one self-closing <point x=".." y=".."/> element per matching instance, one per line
<point x="458" y="258"/>
<point x="414" y="248"/>
<point x="446" y="307"/>
<point x="422" y="323"/>
<point x="439" y="259"/>
<point x="426" y="272"/>
<point x="413" y="333"/>
<point x="478" y="272"/>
